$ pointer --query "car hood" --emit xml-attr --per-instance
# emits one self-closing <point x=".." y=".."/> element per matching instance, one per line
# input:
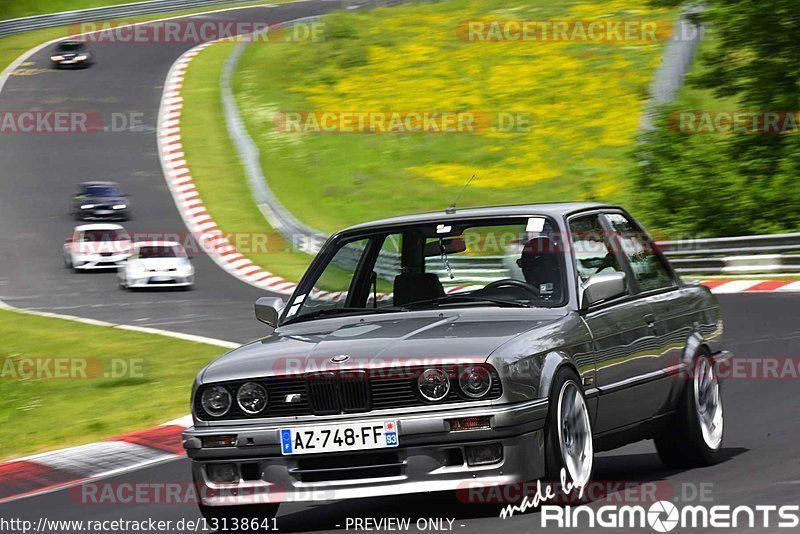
<point x="402" y="339"/>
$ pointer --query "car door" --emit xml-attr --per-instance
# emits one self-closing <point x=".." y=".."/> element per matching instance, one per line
<point x="622" y="330"/>
<point x="671" y="304"/>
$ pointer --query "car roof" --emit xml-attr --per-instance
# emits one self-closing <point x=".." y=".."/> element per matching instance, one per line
<point x="98" y="226"/>
<point x="156" y="244"/>
<point x="553" y="209"/>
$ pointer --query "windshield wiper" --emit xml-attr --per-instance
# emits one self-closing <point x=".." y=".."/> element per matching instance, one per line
<point x="342" y="311"/>
<point x="466" y="299"/>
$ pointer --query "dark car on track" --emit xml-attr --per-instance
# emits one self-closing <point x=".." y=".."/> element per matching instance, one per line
<point x="489" y="345"/>
<point x="95" y="201"/>
<point x="71" y="54"/>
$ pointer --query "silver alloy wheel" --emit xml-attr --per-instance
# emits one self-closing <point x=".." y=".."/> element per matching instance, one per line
<point x="575" y="434"/>
<point x="708" y="403"/>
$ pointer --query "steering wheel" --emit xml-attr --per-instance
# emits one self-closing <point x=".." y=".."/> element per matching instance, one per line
<point x="511" y="282"/>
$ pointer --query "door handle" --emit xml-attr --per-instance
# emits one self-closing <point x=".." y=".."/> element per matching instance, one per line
<point x="650" y="320"/>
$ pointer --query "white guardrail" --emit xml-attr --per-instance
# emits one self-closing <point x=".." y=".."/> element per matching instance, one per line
<point x="758" y="254"/>
<point x="120" y="11"/>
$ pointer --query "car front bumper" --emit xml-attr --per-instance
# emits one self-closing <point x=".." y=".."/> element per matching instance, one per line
<point x="102" y="214"/>
<point x="430" y="457"/>
<point x="161" y="280"/>
<point x="89" y="262"/>
<point x="70" y="64"/>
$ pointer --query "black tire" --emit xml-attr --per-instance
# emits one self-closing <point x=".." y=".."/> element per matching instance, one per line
<point x="682" y="444"/>
<point x="554" y="460"/>
<point x="239" y="518"/>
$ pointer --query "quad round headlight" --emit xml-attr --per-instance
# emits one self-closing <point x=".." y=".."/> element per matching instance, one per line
<point x="216" y="400"/>
<point x="475" y="382"/>
<point x="252" y="398"/>
<point x="433" y="384"/>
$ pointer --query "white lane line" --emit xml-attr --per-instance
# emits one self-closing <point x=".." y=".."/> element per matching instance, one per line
<point x="166" y="333"/>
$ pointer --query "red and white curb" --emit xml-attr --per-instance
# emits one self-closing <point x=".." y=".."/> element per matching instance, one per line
<point x="50" y="471"/>
<point x="186" y="196"/>
<point x="752" y="286"/>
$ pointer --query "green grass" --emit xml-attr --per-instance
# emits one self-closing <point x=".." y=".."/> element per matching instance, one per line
<point x="333" y="180"/>
<point x="217" y="171"/>
<point x="40" y="413"/>
<point x="12" y="9"/>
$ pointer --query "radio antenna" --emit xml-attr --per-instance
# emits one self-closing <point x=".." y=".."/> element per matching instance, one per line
<point x="452" y="209"/>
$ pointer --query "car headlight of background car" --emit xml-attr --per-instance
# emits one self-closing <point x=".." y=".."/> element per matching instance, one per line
<point x="87" y="206"/>
<point x="119" y="206"/>
<point x="136" y="270"/>
<point x="216" y="400"/>
<point x="56" y="58"/>
<point x="185" y="268"/>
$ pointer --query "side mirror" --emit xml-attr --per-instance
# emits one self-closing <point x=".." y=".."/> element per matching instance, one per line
<point x="268" y="310"/>
<point x="600" y="287"/>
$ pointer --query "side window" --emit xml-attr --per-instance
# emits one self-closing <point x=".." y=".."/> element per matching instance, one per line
<point x="647" y="266"/>
<point x="330" y="289"/>
<point x="590" y="248"/>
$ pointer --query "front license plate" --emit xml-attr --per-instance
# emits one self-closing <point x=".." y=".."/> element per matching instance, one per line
<point x="104" y="212"/>
<point x="338" y="438"/>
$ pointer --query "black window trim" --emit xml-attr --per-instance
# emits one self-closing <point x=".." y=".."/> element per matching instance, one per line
<point x="630" y="280"/>
<point x="674" y="278"/>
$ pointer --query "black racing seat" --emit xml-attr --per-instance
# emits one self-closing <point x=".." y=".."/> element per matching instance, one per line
<point x="411" y="287"/>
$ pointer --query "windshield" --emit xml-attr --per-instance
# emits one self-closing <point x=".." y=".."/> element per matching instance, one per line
<point x="70" y="46"/>
<point x="159" y="251"/>
<point x="97" y="236"/>
<point x="512" y="262"/>
<point x="102" y="191"/>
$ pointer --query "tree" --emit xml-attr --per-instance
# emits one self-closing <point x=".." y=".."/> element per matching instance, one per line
<point x="732" y="184"/>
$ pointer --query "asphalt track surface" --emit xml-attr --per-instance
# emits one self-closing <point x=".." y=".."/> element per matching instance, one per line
<point x="762" y="442"/>
<point x="39" y="173"/>
<point x="761" y="448"/>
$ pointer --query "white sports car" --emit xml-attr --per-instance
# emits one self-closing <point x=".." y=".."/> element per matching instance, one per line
<point x="96" y="246"/>
<point x="156" y="264"/>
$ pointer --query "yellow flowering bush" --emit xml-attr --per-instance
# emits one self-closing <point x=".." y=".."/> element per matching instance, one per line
<point x="583" y="98"/>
